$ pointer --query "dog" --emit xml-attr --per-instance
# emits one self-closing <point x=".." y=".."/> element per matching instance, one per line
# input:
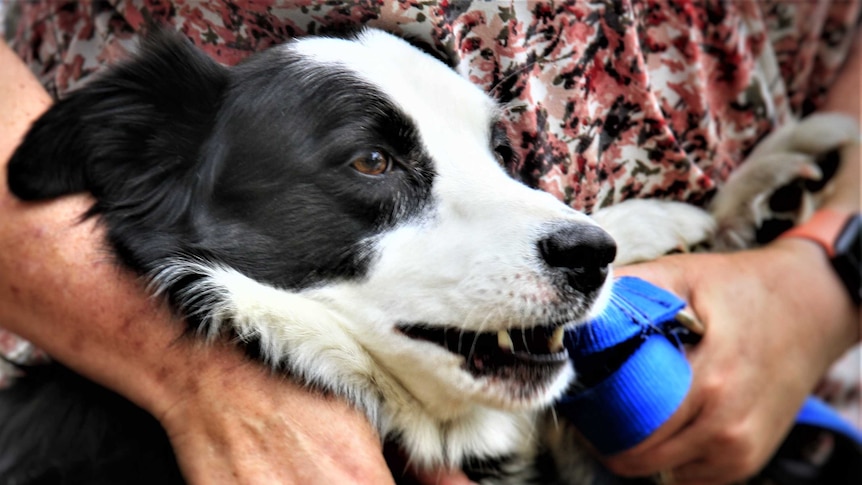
<point x="348" y="221"/>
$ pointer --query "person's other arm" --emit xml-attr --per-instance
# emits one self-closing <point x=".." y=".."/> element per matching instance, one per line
<point x="776" y="318"/>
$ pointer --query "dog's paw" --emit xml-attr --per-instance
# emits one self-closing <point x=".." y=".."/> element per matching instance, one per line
<point x="815" y="135"/>
<point x="761" y="188"/>
<point x="646" y="229"/>
<point x="781" y="181"/>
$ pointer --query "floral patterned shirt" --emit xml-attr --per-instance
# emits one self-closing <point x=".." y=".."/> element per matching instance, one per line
<point x="606" y="99"/>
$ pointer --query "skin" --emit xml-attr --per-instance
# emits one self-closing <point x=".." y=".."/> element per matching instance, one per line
<point x="776" y="318"/>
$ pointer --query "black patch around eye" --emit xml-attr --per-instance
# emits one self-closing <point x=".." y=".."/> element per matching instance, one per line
<point x="399" y="134"/>
<point x="374" y="163"/>
<point x="287" y="208"/>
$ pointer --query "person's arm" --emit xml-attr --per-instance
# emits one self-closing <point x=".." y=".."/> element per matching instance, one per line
<point x="229" y="419"/>
<point x="776" y="318"/>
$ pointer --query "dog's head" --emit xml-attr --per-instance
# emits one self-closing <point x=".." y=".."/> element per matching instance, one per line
<point x="341" y="203"/>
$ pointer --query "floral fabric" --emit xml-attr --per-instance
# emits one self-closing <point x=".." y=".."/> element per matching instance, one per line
<point x="606" y="99"/>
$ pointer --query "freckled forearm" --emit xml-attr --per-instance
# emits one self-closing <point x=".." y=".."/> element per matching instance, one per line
<point x="22" y="100"/>
<point x="58" y="286"/>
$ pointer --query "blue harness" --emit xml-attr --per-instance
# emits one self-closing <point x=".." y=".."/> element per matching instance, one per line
<point x="633" y="375"/>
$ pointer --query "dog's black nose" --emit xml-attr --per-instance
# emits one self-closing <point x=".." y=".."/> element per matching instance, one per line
<point x="582" y="251"/>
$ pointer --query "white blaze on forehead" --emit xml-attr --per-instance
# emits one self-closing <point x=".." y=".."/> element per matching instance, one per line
<point x="452" y="115"/>
<point x="448" y="110"/>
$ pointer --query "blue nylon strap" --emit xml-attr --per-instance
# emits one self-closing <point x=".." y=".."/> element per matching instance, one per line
<point x="630" y="404"/>
<point x="632" y="401"/>
<point x="817" y="413"/>
<point x="636" y="307"/>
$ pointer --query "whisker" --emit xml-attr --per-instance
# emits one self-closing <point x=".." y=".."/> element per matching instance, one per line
<point x="476" y="339"/>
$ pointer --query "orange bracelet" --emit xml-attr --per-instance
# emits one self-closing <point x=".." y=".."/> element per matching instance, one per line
<point x="823" y="228"/>
<point x="839" y="234"/>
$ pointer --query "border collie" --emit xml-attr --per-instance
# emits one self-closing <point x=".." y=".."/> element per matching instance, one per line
<point x="339" y="206"/>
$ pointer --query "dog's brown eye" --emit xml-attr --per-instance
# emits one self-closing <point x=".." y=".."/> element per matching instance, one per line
<point x="374" y="163"/>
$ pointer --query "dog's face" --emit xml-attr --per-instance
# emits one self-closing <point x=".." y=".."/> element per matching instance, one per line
<point x="340" y="204"/>
<point x="460" y="258"/>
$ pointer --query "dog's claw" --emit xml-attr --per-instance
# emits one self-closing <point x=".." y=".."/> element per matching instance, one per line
<point x="810" y="171"/>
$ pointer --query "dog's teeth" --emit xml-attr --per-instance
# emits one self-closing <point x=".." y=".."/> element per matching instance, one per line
<point x="504" y="340"/>
<point x="555" y="343"/>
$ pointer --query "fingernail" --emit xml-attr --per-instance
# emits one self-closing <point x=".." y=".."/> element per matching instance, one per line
<point x="689" y="320"/>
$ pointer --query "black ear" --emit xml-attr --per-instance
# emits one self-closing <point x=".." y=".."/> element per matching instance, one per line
<point x="146" y="116"/>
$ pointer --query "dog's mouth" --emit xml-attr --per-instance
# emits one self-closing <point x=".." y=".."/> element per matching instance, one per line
<point x="527" y="355"/>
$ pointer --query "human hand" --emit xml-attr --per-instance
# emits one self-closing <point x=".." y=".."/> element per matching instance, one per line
<point x="776" y="318"/>
<point x="241" y="423"/>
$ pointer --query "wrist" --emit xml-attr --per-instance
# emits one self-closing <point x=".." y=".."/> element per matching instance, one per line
<point x="804" y="276"/>
<point x="837" y="232"/>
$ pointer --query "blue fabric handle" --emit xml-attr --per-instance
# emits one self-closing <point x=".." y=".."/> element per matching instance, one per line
<point x="817" y="413"/>
<point x="630" y="404"/>
<point x="640" y="390"/>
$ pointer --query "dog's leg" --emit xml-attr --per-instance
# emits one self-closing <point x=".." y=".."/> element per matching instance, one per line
<point x="780" y="183"/>
<point x="646" y="229"/>
<point x="746" y="202"/>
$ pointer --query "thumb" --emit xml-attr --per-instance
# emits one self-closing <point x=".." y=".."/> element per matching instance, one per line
<point x="667" y="272"/>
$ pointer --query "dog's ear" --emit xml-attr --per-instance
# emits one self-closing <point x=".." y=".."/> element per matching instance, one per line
<point x="149" y="114"/>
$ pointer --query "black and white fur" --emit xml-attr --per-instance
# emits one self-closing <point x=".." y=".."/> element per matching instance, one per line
<point x="236" y="193"/>
<point x="233" y="192"/>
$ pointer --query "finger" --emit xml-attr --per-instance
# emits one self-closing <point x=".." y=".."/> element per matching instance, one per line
<point x="687" y="413"/>
<point x="676" y="443"/>
<point x="703" y="472"/>
<point x="688" y="448"/>
<point x="664" y="273"/>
